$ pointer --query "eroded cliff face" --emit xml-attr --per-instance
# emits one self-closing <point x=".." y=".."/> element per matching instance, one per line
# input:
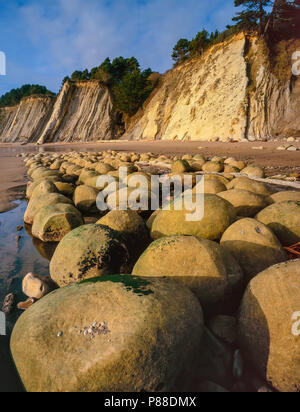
<point x="23" y="123"/>
<point x="83" y="112"/>
<point x="274" y="97"/>
<point x="234" y="91"/>
<point x="229" y="93"/>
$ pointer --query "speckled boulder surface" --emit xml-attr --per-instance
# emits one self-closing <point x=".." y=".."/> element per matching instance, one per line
<point x="53" y="222"/>
<point x="218" y="215"/>
<point x="244" y="183"/>
<point x="113" y="334"/>
<point x="284" y="219"/>
<point x="87" y="252"/>
<point x="202" y="265"/>
<point x="253" y="245"/>
<point x="285" y="196"/>
<point x="269" y="325"/>
<point x="85" y="198"/>
<point x="37" y="203"/>
<point x="130" y="224"/>
<point x="246" y="203"/>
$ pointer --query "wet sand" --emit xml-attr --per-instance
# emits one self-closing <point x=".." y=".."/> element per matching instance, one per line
<point x="12" y="179"/>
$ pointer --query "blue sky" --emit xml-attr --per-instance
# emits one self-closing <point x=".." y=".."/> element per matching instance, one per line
<point x="44" y="40"/>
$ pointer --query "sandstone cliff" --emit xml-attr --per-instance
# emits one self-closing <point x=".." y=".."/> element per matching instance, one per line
<point x="234" y="91"/>
<point x="23" y="123"/>
<point x="231" y="92"/>
<point x="83" y="112"/>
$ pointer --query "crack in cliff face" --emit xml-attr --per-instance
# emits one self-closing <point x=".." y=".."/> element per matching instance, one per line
<point x="248" y="95"/>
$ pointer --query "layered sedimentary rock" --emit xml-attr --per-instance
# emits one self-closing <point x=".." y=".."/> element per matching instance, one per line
<point x="200" y="99"/>
<point x="83" y="112"/>
<point x="274" y="96"/>
<point x="23" y="123"/>
<point x="238" y="89"/>
<point x="230" y="92"/>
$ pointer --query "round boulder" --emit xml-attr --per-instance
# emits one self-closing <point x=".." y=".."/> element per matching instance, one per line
<point x="269" y="325"/>
<point x="247" y="204"/>
<point x="254" y="171"/>
<point x="218" y="215"/>
<point x="212" y="186"/>
<point x="285" y="196"/>
<point x="180" y="166"/>
<point x="37" y="286"/>
<point x="37" y="203"/>
<point x="113" y="334"/>
<point x="43" y="188"/>
<point x="87" y="252"/>
<point x="284" y="220"/>
<point x="85" y="198"/>
<point x="132" y="226"/>
<point x="253" y="245"/>
<point x="53" y="222"/>
<point x="202" y="265"/>
<point x="216" y="167"/>
<point x="244" y="183"/>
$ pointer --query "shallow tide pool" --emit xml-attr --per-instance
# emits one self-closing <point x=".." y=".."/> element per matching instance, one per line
<point x="18" y="256"/>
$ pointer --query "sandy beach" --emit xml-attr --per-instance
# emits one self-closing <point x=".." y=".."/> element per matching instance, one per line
<point x="12" y="171"/>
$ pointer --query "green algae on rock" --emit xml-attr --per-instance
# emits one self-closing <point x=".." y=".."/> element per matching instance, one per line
<point x="53" y="222"/>
<point x="35" y="204"/>
<point x="88" y="251"/>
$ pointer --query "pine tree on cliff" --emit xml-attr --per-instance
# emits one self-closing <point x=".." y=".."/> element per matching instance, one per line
<point x="254" y="15"/>
<point x="284" y="20"/>
<point x="181" y="50"/>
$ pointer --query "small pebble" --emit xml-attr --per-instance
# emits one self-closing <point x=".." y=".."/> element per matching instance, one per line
<point x="59" y="335"/>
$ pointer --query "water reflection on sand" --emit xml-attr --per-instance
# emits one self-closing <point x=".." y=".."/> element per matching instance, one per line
<point x="19" y="256"/>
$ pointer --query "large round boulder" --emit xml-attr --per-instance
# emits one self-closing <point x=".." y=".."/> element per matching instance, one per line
<point x="253" y="245"/>
<point x="284" y="219"/>
<point x="66" y="189"/>
<point x="53" y="222"/>
<point x="31" y="186"/>
<point x="43" y="172"/>
<point x="85" y="198"/>
<point x="88" y="251"/>
<point x="246" y="203"/>
<point x="254" y="171"/>
<point x="103" y="168"/>
<point x="213" y="186"/>
<point x="285" y="196"/>
<point x="218" y="215"/>
<point x="180" y="166"/>
<point x="139" y="200"/>
<point x="216" y="167"/>
<point x="43" y="188"/>
<point x="37" y="203"/>
<point x="244" y="183"/>
<point x="202" y="265"/>
<point x="112" y="334"/>
<point x="130" y="224"/>
<point x="269" y="325"/>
